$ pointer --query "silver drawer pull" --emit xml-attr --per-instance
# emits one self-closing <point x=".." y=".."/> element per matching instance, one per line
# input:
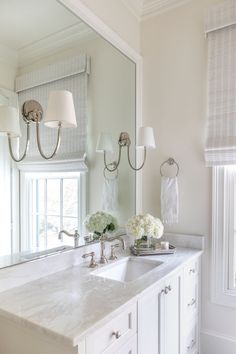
<point x="117" y="334"/>
<point x="193" y="301"/>
<point x="192" y="271"/>
<point x="193" y="343"/>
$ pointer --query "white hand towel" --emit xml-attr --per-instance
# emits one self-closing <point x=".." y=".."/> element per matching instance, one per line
<point x="110" y="195"/>
<point x="169" y="200"/>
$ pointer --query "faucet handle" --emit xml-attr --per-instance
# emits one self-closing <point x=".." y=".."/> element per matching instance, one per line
<point x="113" y="256"/>
<point x="92" y="263"/>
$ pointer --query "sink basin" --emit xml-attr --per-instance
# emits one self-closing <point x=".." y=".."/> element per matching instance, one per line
<point x="127" y="269"/>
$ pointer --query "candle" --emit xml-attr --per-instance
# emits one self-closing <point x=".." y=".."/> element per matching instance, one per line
<point x="164" y="245"/>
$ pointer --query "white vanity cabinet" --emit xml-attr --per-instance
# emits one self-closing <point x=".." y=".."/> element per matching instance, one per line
<point x="159" y="319"/>
<point x="163" y="319"/>
<point x="117" y="336"/>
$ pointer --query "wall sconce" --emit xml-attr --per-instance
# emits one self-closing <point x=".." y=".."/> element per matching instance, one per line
<point x="60" y="114"/>
<point x="145" y="140"/>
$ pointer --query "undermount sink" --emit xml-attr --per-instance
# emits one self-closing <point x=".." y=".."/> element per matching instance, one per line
<point x="127" y="269"/>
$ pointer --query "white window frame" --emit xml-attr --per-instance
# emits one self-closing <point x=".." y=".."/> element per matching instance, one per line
<point x="82" y="210"/>
<point x="223" y="290"/>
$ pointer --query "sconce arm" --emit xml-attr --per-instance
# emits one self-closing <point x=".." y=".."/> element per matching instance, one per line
<point x="144" y="159"/>
<point x="26" y="145"/>
<point x="116" y="164"/>
<point x="57" y="143"/>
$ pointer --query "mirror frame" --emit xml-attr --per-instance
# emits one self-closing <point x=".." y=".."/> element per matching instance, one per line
<point x="82" y="11"/>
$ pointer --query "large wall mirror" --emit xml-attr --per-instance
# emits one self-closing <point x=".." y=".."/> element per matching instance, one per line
<point x="45" y="47"/>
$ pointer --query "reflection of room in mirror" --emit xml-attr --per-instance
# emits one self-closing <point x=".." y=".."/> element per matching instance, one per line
<point x="36" y="60"/>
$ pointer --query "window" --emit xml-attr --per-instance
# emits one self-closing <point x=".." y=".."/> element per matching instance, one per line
<point x="51" y="202"/>
<point x="224" y="235"/>
<point x="220" y="146"/>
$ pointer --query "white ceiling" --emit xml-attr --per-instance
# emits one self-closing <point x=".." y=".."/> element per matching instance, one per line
<point x="33" y="29"/>
<point x="23" y="22"/>
<point x="146" y="8"/>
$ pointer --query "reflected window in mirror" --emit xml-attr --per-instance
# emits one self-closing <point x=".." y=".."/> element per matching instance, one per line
<point x="51" y="202"/>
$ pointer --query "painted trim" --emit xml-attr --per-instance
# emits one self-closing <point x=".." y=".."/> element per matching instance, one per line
<point x="222" y="227"/>
<point x="78" y="33"/>
<point x="143" y="10"/>
<point x="86" y="15"/>
<point x="156" y="7"/>
<point x="217" y="343"/>
<point x="218" y="335"/>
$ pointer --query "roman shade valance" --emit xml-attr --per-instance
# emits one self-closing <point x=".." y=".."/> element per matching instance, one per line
<point x="220" y="16"/>
<point x="72" y="75"/>
<point x="220" y="147"/>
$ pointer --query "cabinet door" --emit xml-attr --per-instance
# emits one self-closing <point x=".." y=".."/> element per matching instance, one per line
<point x="170" y="317"/>
<point x="148" y="323"/>
<point x="129" y="348"/>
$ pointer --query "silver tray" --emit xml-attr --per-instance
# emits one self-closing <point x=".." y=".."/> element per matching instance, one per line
<point x="138" y="251"/>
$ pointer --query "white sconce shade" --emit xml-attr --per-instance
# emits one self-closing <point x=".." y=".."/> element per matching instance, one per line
<point x="146" y="138"/>
<point x="104" y="143"/>
<point x="60" y="109"/>
<point x="9" y="121"/>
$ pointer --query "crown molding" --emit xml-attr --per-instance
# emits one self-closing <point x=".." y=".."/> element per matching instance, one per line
<point x="52" y="44"/>
<point x="157" y="7"/>
<point x="135" y="7"/>
<point x="143" y="9"/>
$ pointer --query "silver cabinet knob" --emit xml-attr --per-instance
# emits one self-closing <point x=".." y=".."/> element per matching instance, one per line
<point x="192" y="344"/>
<point x="193" y="301"/>
<point x="192" y="271"/>
<point x="117" y="334"/>
<point x="167" y="289"/>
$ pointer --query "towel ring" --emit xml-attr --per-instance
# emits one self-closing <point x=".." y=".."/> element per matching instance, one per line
<point x="112" y="165"/>
<point x="170" y="162"/>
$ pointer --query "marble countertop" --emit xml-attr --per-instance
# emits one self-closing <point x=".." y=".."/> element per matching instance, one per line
<point x="71" y="303"/>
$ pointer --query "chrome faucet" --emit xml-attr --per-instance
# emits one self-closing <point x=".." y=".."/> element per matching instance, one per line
<point x="76" y="236"/>
<point x="105" y="238"/>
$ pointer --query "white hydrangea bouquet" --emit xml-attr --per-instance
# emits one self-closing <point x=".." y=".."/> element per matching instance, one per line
<point x="144" y="227"/>
<point x="100" y="222"/>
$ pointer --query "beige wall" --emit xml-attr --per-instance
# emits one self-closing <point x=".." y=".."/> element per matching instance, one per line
<point x="174" y="50"/>
<point x="116" y="15"/>
<point x="7" y="70"/>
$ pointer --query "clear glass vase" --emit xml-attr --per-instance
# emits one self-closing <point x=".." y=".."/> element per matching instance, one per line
<point x="143" y="242"/>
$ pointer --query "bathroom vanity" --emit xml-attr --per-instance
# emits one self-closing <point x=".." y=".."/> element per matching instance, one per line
<point x="82" y="310"/>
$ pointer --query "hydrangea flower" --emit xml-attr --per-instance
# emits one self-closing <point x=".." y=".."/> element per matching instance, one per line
<point x="100" y="222"/>
<point x="144" y="225"/>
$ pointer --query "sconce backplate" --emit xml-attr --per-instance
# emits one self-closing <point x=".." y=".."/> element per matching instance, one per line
<point x="124" y="139"/>
<point x="32" y="111"/>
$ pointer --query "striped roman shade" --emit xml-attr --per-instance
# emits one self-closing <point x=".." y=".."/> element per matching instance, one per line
<point x="220" y="148"/>
<point x="72" y="75"/>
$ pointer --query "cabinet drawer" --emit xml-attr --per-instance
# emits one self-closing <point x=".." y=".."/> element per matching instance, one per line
<point x="191" y="271"/>
<point x="115" y="332"/>
<point x="191" y="341"/>
<point x="190" y="301"/>
<point x="128" y="348"/>
<point x="190" y="295"/>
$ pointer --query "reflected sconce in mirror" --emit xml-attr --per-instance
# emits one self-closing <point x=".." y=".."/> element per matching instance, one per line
<point x="60" y="114"/>
<point x="145" y="140"/>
